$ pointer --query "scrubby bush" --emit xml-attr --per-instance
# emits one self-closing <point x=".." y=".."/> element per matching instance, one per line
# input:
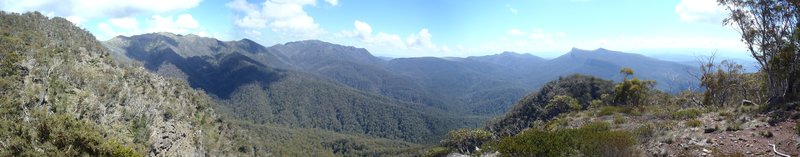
<point x="437" y="152"/>
<point x="466" y="140"/>
<point x="618" y="119"/>
<point x="631" y="92"/>
<point x="644" y="132"/>
<point x="694" y="123"/>
<point x="687" y="114"/>
<point x="562" y="103"/>
<point x="593" y="139"/>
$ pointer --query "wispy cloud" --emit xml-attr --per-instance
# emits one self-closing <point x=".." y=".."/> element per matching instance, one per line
<point x="514" y="11"/>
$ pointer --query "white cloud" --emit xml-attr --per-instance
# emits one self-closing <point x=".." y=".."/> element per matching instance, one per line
<point x="421" y="39"/>
<point x="706" y="11"/>
<point x="417" y="42"/>
<point x="182" y="24"/>
<point x="126" y="23"/>
<point x="286" y="17"/>
<point x="80" y="10"/>
<point x="77" y="20"/>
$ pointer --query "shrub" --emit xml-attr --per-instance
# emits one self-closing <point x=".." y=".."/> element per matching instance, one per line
<point x="797" y="127"/>
<point x="633" y="91"/>
<point x="735" y="126"/>
<point x="466" y="140"/>
<point x="644" y="132"/>
<point x="619" y="119"/>
<point x="593" y="139"/>
<point x="437" y="152"/>
<point x="767" y="134"/>
<point x="609" y="110"/>
<point x="562" y="104"/>
<point x="687" y="114"/>
<point x="694" y="123"/>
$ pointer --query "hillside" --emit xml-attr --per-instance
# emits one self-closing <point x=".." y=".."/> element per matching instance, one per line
<point x="255" y="90"/>
<point x="62" y="95"/>
<point x="670" y="76"/>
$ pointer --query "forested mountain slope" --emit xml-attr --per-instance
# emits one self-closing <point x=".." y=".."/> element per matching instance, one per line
<point x="255" y="90"/>
<point x="62" y="95"/>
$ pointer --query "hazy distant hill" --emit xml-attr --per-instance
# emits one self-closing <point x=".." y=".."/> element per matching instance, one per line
<point x="476" y="87"/>
<point x="606" y="64"/>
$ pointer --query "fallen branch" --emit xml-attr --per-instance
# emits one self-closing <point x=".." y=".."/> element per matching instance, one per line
<point x="776" y="151"/>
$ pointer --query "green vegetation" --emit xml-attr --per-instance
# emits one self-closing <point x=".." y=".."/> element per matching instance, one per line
<point x="593" y="139"/>
<point x="610" y="110"/>
<point x="772" y="41"/>
<point x="689" y="113"/>
<point x="571" y="90"/>
<point x="285" y="141"/>
<point x="307" y="103"/>
<point x="694" y="123"/>
<point x="61" y="95"/>
<point x="466" y="140"/>
<point x="631" y="92"/>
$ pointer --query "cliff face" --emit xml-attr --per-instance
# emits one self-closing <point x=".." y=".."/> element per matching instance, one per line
<point x="62" y="94"/>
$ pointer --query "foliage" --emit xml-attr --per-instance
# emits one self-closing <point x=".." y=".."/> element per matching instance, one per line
<point x="631" y="92"/>
<point x="594" y="139"/>
<point x="725" y="84"/>
<point x="644" y="132"/>
<point x="437" y="152"/>
<point x="610" y="110"/>
<point x="562" y="104"/>
<point x="694" y="123"/>
<point x="466" y="140"/>
<point x="61" y="95"/>
<point x="569" y="90"/>
<point x="769" y="29"/>
<point x="689" y="113"/>
<point x="618" y="119"/>
<point x="285" y="141"/>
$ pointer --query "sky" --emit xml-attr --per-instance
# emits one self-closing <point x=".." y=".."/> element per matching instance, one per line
<point x="413" y="28"/>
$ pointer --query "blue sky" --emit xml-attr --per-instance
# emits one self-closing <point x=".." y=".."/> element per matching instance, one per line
<point x="408" y="28"/>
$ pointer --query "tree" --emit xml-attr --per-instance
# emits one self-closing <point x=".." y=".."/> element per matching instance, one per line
<point x="769" y="29"/>
<point x="633" y="91"/>
<point x="723" y="82"/>
<point x="626" y="72"/>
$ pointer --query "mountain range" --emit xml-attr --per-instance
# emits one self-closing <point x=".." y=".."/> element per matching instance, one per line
<point x="239" y="97"/>
<point x="316" y="84"/>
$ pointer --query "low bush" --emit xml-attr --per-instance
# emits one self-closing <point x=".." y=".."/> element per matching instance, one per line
<point x="619" y="119"/>
<point x="644" y="132"/>
<point x="797" y="127"/>
<point x="687" y="114"/>
<point x="694" y="123"/>
<point x="437" y="152"/>
<point x="593" y="139"/>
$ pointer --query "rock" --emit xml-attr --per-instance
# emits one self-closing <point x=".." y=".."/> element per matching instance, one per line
<point x="709" y="129"/>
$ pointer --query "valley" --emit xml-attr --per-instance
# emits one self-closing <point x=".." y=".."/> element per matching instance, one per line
<point x="272" y="81"/>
